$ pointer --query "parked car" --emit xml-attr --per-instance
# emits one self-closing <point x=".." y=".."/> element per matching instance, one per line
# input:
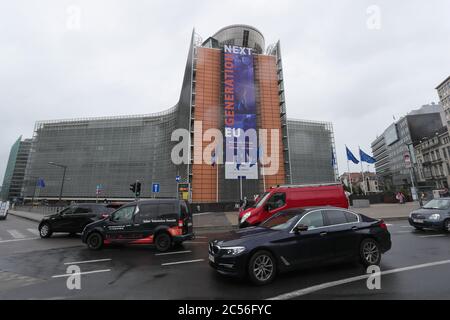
<point x="298" y="238"/>
<point x="164" y="223"/>
<point x="435" y="214"/>
<point x="4" y="208"/>
<point x="74" y="218"/>
<point x="291" y="196"/>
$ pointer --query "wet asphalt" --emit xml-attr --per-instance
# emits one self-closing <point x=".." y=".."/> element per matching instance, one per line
<point x="34" y="268"/>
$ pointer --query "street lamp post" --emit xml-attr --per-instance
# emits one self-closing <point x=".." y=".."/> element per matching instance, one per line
<point x="412" y="172"/>
<point x="63" y="177"/>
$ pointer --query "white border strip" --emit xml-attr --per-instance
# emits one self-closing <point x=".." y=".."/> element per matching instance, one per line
<point x="80" y="273"/>
<point x="87" y="261"/>
<point x="182" y="262"/>
<point x="14" y="240"/>
<point x="169" y="253"/>
<point x="305" y="291"/>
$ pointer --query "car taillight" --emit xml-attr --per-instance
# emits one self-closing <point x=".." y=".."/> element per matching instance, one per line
<point x="180" y="223"/>
<point x="383" y="225"/>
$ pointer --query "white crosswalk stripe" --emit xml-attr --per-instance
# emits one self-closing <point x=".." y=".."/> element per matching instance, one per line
<point x="33" y="231"/>
<point x="16" y="234"/>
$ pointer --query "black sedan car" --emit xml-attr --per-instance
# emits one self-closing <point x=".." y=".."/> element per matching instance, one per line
<point x="74" y="218"/>
<point x="433" y="215"/>
<point x="297" y="238"/>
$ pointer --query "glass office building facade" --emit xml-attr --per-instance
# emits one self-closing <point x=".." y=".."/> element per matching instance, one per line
<point x="108" y="154"/>
<point x="13" y="180"/>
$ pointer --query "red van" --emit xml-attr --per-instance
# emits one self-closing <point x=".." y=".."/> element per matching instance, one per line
<point x="293" y="196"/>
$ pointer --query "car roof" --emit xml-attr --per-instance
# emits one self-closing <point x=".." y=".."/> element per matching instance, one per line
<point x="309" y="209"/>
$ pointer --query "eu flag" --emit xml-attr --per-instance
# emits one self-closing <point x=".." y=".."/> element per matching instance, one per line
<point x="365" y="157"/>
<point x="351" y="157"/>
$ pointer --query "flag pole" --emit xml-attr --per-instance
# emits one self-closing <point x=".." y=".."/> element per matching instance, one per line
<point x="217" y="182"/>
<point x="349" y="177"/>
<point x="362" y="171"/>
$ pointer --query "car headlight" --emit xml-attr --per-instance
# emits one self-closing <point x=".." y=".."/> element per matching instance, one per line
<point x="435" y="216"/>
<point x="232" y="251"/>
<point x="245" y="216"/>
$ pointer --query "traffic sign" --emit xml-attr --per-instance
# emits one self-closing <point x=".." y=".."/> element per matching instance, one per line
<point x="177" y="178"/>
<point x="155" y="187"/>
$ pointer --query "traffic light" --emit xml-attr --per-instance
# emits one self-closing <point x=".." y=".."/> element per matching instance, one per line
<point x="133" y="188"/>
<point x="138" y="188"/>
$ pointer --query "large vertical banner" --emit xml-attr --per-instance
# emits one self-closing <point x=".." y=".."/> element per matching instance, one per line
<point x="240" y="114"/>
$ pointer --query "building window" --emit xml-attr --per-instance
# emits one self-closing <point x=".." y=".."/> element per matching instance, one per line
<point x="245" y="40"/>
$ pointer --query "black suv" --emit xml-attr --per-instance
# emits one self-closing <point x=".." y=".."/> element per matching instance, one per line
<point x="74" y="218"/>
<point x="162" y="222"/>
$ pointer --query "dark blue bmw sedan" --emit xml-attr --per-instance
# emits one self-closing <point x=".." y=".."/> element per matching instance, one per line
<point x="298" y="238"/>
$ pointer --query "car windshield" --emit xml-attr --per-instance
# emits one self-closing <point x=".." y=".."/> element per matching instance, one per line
<point x="438" y="204"/>
<point x="261" y="200"/>
<point x="281" y="221"/>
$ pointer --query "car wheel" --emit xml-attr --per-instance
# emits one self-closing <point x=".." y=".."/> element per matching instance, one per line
<point x="163" y="242"/>
<point x="370" y="252"/>
<point x="94" y="241"/>
<point x="447" y="225"/>
<point x="45" y="231"/>
<point x="262" y="268"/>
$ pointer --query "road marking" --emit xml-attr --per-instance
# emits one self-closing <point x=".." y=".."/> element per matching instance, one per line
<point x="16" y="234"/>
<point x="434" y="236"/>
<point x="14" y="240"/>
<point x="80" y="273"/>
<point x="406" y="227"/>
<point x="195" y="242"/>
<point x="182" y="262"/>
<point x="389" y="224"/>
<point x="33" y="231"/>
<point x="87" y="261"/>
<point x="169" y="253"/>
<point x="401" y="232"/>
<point x="305" y="291"/>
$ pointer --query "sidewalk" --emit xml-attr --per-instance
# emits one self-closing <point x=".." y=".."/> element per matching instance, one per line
<point x="389" y="211"/>
<point x="203" y="222"/>
<point x="225" y="221"/>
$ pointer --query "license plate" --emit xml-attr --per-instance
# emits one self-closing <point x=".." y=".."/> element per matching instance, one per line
<point x="211" y="258"/>
<point x="418" y="220"/>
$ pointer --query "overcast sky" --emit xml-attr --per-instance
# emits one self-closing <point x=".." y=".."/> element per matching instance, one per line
<point x="341" y="63"/>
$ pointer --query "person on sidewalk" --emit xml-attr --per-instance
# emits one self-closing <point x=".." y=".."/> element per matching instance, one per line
<point x="400" y="197"/>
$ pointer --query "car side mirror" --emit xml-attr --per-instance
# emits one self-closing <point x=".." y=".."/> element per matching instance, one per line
<point x="300" y="228"/>
<point x="267" y="207"/>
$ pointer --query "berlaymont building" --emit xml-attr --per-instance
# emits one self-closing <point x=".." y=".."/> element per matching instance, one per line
<point x="231" y="80"/>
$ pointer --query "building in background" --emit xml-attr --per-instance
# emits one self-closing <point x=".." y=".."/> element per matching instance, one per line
<point x="113" y="152"/>
<point x="311" y="144"/>
<point x="394" y="148"/>
<point x="368" y="184"/>
<point x="443" y="90"/>
<point x="13" y="180"/>
<point x="433" y="160"/>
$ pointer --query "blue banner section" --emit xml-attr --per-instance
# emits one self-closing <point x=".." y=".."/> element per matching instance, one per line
<point x="240" y="114"/>
<point x="351" y="157"/>
<point x="365" y="157"/>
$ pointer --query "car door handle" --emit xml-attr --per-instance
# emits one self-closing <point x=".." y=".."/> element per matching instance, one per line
<point x="354" y="228"/>
<point x="323" y="234"/>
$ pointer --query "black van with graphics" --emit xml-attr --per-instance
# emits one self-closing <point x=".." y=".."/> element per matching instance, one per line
<point x="162" y="222"/>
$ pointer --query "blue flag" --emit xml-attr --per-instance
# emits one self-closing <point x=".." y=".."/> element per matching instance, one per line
<point x="40" y="183"/>
<point x="333" y="159"/>
<point x="351" y="157"/>
<point x="365" y="157"/>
